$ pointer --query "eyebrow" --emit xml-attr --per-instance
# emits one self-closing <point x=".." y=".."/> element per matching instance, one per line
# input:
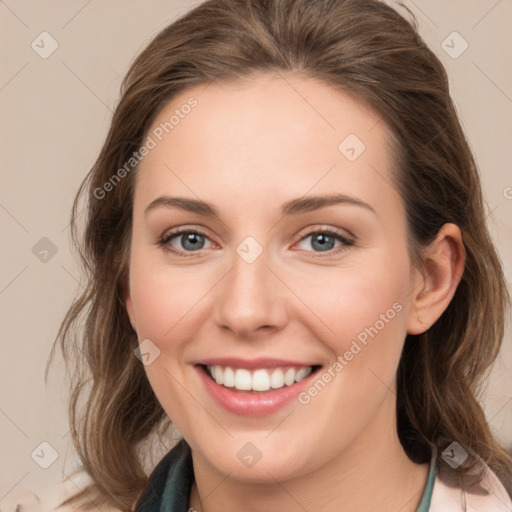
<point x="292" y="207"/>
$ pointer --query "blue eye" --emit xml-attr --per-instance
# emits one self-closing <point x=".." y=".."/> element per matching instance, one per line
<point x="193" y="240"/>
<point x="325" y="240"/>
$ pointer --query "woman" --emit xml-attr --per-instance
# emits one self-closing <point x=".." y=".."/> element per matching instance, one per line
<point x="288" y="260"/>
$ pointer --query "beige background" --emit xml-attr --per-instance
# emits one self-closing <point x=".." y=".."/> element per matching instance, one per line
<point x="54" y="115"/>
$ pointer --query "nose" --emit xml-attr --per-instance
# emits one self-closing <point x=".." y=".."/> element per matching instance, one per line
<point x="252" y="298"/>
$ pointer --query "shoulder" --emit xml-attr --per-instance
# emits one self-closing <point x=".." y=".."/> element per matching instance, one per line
<point x="450" y="495"/>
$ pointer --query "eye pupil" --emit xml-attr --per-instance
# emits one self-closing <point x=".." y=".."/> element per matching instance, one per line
<point x="324" y="240"/>
<point x="192" y="238"/>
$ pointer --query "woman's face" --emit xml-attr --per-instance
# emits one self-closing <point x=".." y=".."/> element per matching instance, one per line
<point x="272" y="279"/>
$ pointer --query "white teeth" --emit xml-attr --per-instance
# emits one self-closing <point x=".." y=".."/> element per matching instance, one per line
<point x="302" y="374"/>
<point x="229" y="377"/>
<point x="218" y="374"/>
<point x="243" y="379"/>
<point x="261" y="379"/>
<point x="289" y="376"/>
<point x="277" y="379"/>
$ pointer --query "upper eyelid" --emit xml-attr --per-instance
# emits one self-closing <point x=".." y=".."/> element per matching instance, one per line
<point x="305" y="232"/>
<point x="182" y="231"/>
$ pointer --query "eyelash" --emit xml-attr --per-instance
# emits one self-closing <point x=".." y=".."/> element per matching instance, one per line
<point x="164" y="241"/>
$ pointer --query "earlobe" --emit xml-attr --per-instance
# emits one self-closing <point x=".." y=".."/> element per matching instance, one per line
<point x="443" y="266"/>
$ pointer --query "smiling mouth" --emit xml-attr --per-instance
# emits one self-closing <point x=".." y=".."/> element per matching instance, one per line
<point x="258" y="380"/>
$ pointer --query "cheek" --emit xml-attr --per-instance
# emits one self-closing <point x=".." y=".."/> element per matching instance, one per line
<point x="164" y="298"/>
<point x="166" y="303"/>
<point x="362" y="304"/>
<point x="365" y="313"/>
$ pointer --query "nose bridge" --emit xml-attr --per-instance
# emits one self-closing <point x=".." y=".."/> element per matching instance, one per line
<point x="250" y="297"/>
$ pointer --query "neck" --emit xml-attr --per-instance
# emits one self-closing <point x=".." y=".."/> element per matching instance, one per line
<point x="373" y="473"/>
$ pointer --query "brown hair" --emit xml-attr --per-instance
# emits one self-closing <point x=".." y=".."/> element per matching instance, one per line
<point x="366" y="49"/>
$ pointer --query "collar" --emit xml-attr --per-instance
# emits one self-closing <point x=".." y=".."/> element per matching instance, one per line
<point x="170" y="482"/>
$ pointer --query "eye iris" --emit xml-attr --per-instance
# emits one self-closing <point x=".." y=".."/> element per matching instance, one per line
<point x="192" y="238"/>
<point x="323" y="239"/>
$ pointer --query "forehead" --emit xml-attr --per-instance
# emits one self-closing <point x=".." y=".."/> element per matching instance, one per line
<point x="268" y="136"/>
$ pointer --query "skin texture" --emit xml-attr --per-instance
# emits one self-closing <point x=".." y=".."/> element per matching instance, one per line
<point x="247" y="148"/>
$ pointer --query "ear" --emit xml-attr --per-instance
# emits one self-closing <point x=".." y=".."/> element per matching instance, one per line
<point x="435" y="285"/>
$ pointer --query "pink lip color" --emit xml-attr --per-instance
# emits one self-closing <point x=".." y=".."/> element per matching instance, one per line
<point x="253" y="404"/>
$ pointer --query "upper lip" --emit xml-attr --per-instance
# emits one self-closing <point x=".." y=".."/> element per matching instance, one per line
<point x="260" y="362"/>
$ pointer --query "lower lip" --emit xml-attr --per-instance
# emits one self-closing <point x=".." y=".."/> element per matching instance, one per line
<point x="253" y="404"/>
